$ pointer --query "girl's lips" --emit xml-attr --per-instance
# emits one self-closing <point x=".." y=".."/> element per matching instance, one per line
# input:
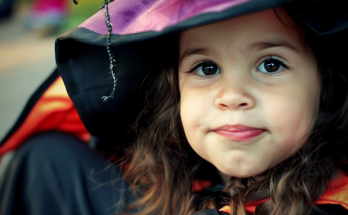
<point x="238" y="132"/>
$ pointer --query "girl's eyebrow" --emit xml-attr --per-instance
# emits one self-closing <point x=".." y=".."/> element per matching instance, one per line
<point x="258" y="45"/>
<point x="272" y="44"/>
<point x="189" y="52"/>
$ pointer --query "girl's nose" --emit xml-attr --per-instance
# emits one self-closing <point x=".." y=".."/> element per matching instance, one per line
<point x="234" y="96"/>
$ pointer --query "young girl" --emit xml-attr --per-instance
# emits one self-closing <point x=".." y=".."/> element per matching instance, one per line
<point x="224" y="107"/>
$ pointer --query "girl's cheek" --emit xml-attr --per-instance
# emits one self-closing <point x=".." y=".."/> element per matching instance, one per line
<point x="193" y="104"/>
<point x="195" y="107"/>
<point x="297" y="118"/>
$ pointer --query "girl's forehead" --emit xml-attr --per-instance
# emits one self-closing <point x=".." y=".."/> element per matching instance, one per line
<point x="273" y="24"/>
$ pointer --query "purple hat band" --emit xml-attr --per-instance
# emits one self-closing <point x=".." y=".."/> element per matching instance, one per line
<point x="135" y="16"/>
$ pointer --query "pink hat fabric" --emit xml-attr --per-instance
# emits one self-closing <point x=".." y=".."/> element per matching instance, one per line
<point x="135" y="16"/>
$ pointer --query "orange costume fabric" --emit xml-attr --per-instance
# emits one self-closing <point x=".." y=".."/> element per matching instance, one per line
<point x="336" y="194"/>
<point x="54" y="111"/>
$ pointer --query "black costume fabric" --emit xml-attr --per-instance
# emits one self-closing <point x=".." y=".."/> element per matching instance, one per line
<point x="54" y="173"/>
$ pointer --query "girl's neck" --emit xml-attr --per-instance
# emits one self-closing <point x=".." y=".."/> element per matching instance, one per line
<point x="223" y="176"/>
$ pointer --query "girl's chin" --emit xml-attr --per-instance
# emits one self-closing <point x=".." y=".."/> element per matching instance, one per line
<point x="242" y="172"/>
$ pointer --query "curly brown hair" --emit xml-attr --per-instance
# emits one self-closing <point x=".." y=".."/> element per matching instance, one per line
<point x="161" y="163"/>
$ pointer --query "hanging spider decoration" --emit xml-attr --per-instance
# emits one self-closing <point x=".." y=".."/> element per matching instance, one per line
<point x="112" y="61"/>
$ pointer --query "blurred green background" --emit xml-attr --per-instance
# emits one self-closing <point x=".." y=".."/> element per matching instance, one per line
<point x="79" y="13"/>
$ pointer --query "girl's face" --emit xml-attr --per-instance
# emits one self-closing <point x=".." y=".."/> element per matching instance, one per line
<point x="249" y="92"/>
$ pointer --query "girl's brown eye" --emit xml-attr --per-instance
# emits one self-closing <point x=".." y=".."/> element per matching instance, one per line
<point x="207" y="69"/>
<point x="271" y="65"/>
